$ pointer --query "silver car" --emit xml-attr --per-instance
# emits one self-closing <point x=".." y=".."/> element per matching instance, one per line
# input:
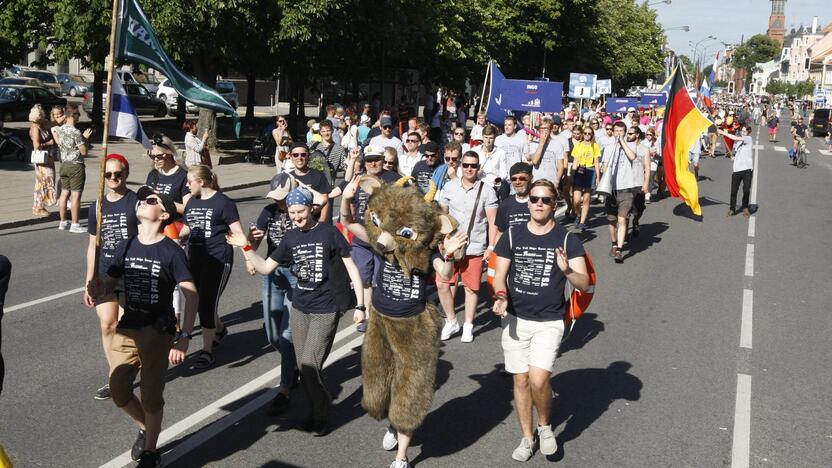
<point x="73" y="85"/>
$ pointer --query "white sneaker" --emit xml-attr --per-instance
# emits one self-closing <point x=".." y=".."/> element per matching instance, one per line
<point x="646" y="198"/>
<point x="467" y="332"/>
<point x="390" y="440"/>
<point x="546" y="439"/>
<point x="63" y="225"/>
<point x="524" y="451"/>
<point x="77" y="229"/>
<point x="400" y="463"/>
<point x="450" y="328"/>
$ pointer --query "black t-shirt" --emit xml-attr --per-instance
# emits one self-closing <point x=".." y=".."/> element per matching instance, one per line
<point x="175" y="185"/>
<point x="150" y="274"/>
<point x="310" y="253"/>
<point x="315" y="179"/>
<point x="395" y="295"/>
<point x="800" y="130"/>
<point x="535" y="283"/>
<point x="423" y="173"/>
<point x="359" y="202"/>
<point x="209" y="220"/>
<point x="512" y="212"/>
<point x="275" y="223"/>
<point x="118" y="223"/>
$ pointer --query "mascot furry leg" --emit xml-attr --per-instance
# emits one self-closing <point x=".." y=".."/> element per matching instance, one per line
<point x="398" y="361"/>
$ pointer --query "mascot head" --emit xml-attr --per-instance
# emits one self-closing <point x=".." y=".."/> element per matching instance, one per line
<point x="402" y="226"/>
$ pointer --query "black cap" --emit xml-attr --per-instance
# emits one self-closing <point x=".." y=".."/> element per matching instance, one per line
<point x="299" y="144"/>
<point x="167" y="203"/>
<point x="430" y="147"/>
<point x="520" y="168"/>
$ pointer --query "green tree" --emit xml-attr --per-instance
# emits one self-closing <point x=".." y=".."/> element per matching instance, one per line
<point x="758" y="49"/>
<point x="776" y="87"/>
<point x="688" y="64"/>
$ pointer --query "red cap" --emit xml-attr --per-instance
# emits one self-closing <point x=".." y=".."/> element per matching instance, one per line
<point x="120" y="158"/>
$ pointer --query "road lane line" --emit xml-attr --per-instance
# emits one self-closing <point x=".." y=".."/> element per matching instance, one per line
<point x="825" y="152"/>
<point x="44" y="299"/>
<point x="759" y="147"/>
<point x="752" y="222"/>
<point x="741" y="446"/>
<point x="749" y="260"/>
<point x="781" y="149"/>
<point x="747" y="316"/>
<point x="216" y="407"/>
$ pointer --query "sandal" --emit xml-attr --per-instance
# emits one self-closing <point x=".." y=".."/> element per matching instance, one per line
<point x="204" y="360"/>
<point x="219" y="336"/>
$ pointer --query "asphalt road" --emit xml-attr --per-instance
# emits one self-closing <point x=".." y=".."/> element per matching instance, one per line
<point x="650" y="377"/>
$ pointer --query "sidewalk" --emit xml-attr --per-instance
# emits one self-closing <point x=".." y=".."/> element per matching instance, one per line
<point x="18" y="180"/>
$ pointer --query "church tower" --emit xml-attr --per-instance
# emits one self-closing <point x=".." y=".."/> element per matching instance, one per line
<point x="777" y="21"/>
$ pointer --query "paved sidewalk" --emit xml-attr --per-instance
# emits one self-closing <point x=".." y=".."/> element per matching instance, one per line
<point x="18" y="180"/>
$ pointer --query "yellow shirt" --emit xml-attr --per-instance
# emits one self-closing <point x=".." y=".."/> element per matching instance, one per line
<point x="586" y="154"/>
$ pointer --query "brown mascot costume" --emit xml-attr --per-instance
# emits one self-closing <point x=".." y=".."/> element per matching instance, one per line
<point x="401" y="347"/>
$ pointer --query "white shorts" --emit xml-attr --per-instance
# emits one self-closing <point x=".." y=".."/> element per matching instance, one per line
<point x="693" y="157"/>
<point x="529" y="343"/>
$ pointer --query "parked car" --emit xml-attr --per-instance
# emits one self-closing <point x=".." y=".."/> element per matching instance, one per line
<point x="819" y="124"/>
<point x="166" y="93"/>
<point x="22" y="81"/>
<point x="226" y="89"/>
<point x="73" y="85"/>
<point x="49" y="80"/>
<point x="148" y="81"/>
<point x="17" y="100"/>
<point x="143" y="102"/>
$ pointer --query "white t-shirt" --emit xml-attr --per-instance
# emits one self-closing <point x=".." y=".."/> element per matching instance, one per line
<point x="642" y="158"/>
<point x="547" y="168"/>
<point x="515" y="147"/>
<point x="743" y="157"/>
<point x="492" y="165"/>
<point x="603" y="139"/>
<point x="476" y="132"/>
<point x="406" y="163"/>
<point x="620" y="164"/>
<point x="382" y="142"/>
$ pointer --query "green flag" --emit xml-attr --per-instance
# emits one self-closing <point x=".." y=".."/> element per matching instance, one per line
<point x="137" y="42"/>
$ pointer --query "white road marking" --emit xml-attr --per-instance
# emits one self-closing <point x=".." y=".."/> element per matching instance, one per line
<point x="825" y="152"/>
<point x="214" y="428"/>
<point x="781" y="149"/>
<point x="741" y="446"/>
<point x="43" y="299"/>
<point x="749" y="260"/>
<point x="746" y="322"/>
<point x="759" y="147"/>
<point x="752" y="221"/>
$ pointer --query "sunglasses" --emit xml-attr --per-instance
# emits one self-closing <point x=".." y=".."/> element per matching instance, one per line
<point x="609" y="129"/>
<point x="630" y="133"/>
<point x="299" y="155"/>
<point x="412" y="141"/>
<point x="114" y="175"/>
<point x="587" y="133"/>
<point x="390" y="163"/>
<point x="447" y="159"/>
<point x="386" y="127"/>
<point x="153" y="202"/>
<point x="546" y="200"/>
<point x="459" y="134"/>
<point x="281" y="121"/>
<point x="430" y="155"/>
<point x="470" y="165"/>
<point x="158" y="156"/>
<point x="519" y="179"/>
<point x="370" y="161"/>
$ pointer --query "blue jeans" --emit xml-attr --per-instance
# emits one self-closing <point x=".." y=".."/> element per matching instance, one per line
<point x="277" y="302"/>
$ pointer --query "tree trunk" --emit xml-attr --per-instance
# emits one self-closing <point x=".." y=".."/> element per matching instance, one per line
<point x="251" y="80"/>
<point x="205" y="70"/>
<point x="97" y="96"/>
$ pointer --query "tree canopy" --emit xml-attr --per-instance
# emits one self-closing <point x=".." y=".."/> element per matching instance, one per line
<point x="758" y="49"/>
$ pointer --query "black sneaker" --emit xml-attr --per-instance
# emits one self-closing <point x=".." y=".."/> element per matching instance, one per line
<point x="316" y="428"/>
<point x="219" y="336"/>
<point x="149" y="459"/>
<point x="636" y="229"/>
<point x="279" y="405"/>
<point x="138" y="446"/>
<point x="361" y="327"/>
<point x="102" y="393"/>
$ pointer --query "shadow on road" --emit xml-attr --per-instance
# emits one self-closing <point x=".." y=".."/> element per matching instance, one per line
<point x="648" y="236"/>
<point x="462" y="421"/>
<point x="584" y="395"/>
<point x="584" y="331"/>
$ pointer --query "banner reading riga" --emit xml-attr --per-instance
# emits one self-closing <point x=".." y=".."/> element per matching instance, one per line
<point x="137" y="42"/>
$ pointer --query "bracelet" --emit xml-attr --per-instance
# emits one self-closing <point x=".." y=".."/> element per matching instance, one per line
<point x="502" y="292"/>
<point x="246" y="247"/>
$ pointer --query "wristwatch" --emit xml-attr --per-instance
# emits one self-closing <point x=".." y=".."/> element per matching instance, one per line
<point x="361" y="307"/>
<point x="184" y="334"/>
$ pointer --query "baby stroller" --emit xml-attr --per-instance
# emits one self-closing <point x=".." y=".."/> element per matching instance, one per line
<point x="262" y="150"/>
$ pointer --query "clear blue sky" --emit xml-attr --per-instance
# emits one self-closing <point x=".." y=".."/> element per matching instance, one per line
<point x="729" y="20"/>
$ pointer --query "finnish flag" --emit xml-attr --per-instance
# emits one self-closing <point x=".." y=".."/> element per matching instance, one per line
<point x="124" y="122"/>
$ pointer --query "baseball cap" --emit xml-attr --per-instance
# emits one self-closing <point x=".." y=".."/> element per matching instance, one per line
<point x="365" y="118"/>
<point x="310" y="123"/>
<point x="281" y="185"/>
<point x="520" y="167"/>
<point x="373" y="153"/>
<point x="385" y="122"/>
<point x="557" y="120"/>
<point x="631" y="109"/>
<point x="430" y="147"/>
<point x="167" y="202"/>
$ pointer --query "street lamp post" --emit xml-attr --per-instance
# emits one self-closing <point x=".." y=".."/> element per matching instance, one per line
<point x="666" y="2"/>
<point x="679" y="28"/>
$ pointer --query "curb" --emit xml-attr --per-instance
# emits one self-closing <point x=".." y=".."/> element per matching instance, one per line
<point x="53" y="216"/>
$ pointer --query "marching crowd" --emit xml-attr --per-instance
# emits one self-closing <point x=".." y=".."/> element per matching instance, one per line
<point x="166" y="250"/>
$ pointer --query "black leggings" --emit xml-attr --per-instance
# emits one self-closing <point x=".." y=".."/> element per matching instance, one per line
<point x="5" y="276"/>
<point x="736" y="178"/>
<point x="210" y="276"/>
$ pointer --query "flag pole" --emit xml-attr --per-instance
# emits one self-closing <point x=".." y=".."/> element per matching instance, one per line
<point x="106" y="138"/>
<point x="484" y="83"/>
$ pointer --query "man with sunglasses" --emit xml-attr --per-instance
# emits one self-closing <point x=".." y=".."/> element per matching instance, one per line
<point x="74" y="147"/>
<point x="311" y="177"/>
<point x="515" y="210"/>
<point x="145" y="342"/>
<point x="423" y="170"/>
<point x="386" y="138"/>
<point x="534" y="261"/>
<point x="412" y="155"/>
<point x="467" y="199"/>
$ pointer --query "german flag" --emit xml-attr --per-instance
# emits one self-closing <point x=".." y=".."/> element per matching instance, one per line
<point x="683" y="124"/>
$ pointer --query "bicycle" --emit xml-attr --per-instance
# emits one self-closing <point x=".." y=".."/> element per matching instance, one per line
<point x="800" y="156"/>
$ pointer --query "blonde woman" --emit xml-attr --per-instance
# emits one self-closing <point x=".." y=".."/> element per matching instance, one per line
<point x="391" y="160"/>
<point x="42" y="140"/>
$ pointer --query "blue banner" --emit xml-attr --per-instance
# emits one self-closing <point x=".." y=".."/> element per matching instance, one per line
<point x="620" y="105"/>
<point x="515" y="97"/>
<point x="653" y="99"/>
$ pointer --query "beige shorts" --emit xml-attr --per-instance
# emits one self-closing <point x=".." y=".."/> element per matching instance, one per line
<point x="139" y="351"/>
<point x="529" y="343"/>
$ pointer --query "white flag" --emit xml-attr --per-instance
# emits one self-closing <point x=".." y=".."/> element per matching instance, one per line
<point x="124" y="122"/>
